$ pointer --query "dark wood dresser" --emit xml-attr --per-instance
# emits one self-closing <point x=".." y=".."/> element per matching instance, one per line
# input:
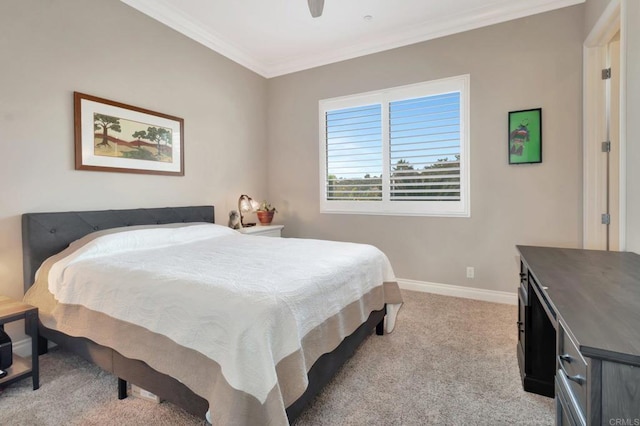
<point x="579" y="332"/>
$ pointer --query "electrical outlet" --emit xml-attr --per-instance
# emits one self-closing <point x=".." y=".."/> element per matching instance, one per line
<point x="470" y="272"/>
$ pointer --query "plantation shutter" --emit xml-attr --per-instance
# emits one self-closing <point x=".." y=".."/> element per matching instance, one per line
<point x="354" y="153"/>
<point x="398" y="151"/>
<point x="424" y="148"/>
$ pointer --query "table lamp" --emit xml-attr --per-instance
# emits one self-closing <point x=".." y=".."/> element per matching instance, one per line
<point x="246" y="205"/>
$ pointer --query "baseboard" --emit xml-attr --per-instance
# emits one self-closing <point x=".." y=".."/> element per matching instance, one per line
<point x="460" y="291"/>
<point x="22" y="347"/>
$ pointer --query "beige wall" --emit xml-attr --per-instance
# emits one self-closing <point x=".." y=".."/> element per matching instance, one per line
<point x="592" y="11"/>
<point x="528" y="63"/>
<point x="102" y="47"/>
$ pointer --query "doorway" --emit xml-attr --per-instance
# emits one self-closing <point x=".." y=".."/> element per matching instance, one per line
<point x="603" y="147"/>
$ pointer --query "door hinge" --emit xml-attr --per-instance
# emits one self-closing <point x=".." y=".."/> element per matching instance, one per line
<point x="606" y="219"/>
<point x="606" y="73"/>
<point x="606" y="146"/>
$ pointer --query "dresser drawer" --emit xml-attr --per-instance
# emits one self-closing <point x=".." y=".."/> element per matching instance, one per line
<point x="572" y="370"/>
<point x="566" y="411"/>
<point x="263" y="230"/>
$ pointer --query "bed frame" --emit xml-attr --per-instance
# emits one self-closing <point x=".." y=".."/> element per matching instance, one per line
<point x="45" y="234"/>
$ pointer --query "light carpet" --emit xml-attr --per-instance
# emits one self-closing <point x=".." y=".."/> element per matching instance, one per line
<point x="450" y="361"/>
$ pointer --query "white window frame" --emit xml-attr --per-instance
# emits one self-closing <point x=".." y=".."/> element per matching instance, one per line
<point x="460" y="208"/>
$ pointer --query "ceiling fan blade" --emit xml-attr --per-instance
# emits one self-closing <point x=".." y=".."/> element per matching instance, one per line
<point x="315" y="7"/>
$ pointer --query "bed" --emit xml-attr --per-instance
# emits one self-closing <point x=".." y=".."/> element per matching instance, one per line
<point x="119" y="348"/>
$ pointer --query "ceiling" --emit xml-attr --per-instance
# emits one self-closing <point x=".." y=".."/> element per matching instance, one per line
<point x="276" y="37"/>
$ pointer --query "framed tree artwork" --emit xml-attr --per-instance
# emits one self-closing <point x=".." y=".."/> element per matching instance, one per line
<point x="525" y="136"/>
<point x="115" y="137"/>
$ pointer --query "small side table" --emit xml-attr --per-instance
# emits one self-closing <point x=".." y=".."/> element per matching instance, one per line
<point x="263" y="230"/>
<point x="12" y="310"/>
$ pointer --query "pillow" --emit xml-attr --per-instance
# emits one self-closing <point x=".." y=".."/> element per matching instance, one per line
<point x="134" y="238"/>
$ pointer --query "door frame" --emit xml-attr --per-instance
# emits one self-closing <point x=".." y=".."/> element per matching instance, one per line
<point x="594" y="128"/>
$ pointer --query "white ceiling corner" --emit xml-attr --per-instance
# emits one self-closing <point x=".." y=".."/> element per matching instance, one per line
<point x="277" y="37"/>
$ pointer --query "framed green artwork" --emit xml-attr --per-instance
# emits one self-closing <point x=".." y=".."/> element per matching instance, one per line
<point x="525" y="136"/>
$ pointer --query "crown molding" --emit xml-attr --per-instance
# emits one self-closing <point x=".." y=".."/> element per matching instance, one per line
<point x="427" y="30"/>
<point x="174" y="18"/>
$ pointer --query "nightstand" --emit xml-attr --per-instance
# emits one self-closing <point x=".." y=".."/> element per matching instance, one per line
<point x="12" y="310"/>
<point x="263" y="230"/>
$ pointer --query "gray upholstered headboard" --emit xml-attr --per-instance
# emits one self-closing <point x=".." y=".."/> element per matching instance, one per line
<point x="45" y="234"/>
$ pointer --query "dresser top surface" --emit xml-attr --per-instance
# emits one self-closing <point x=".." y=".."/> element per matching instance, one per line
<point x="597" y="295"/>
<point x="260" y="229"/>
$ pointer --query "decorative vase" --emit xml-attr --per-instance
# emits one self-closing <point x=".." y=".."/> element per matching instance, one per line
<point x="264" y="217"/>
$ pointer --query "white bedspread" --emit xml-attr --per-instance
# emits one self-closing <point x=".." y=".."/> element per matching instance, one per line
<point x="250" y="299"/>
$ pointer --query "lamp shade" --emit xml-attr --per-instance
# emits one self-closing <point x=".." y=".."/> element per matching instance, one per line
<point x="246" y="205"/>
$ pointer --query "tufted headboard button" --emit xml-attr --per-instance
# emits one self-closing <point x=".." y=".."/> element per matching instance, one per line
<point x="53" y="230"/>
